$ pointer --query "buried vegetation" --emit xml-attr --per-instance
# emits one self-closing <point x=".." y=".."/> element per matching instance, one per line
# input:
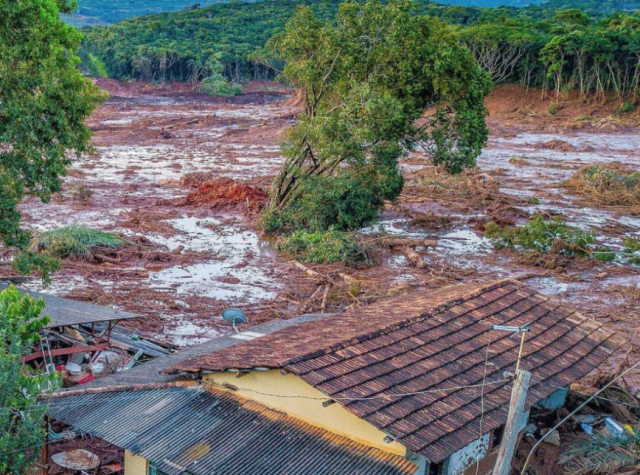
<point x="325" y="247"/>
<point x="606" y="186"/>
<point x="76" y="242"/>
<point x="554" y="238"/>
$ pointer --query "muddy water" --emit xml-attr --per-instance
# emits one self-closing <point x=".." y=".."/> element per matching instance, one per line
<point x="145" y="144"/>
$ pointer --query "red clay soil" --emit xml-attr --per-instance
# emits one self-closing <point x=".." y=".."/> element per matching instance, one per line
<point x="226" y="192"/>
<point x="511" y="104"/>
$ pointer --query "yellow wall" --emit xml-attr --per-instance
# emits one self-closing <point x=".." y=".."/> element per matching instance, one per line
<point x="134" y="465"/>
<point x="333" y="418"/>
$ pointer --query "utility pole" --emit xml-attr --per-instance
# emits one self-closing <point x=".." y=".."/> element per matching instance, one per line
<point x="516" y="406"/>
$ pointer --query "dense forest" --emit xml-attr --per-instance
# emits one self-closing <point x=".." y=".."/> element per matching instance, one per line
<point x="538" y="46"/>
<point x="101" y="12"/>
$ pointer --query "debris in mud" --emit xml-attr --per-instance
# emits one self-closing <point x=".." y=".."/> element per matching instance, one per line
<point x="149" y="220"/>
<point x="223" y="192"/>
<point x="557" y="145"/>
<point x="196" y="179"/>
<point x="607" y="185"/>
<point x="429" y="220"/>
<point x="469" y="190"/>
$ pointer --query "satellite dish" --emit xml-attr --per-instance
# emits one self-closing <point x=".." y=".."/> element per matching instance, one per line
<point x="235" y="316"/>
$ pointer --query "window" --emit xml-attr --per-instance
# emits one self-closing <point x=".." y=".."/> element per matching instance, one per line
<point x="496" y="440"/>
<point x="436" y="468"/>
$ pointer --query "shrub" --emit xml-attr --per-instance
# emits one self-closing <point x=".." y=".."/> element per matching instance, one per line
<point x="217" y="85"/>
<point x="626" y="108"/>
<point x="324" y="247"/>
<point x="75" y="241"/>
<point x="343" y="202"/>
<point x="553" y="109"/>
<point x="81" y="193"/>
<point x="546" y="236"/>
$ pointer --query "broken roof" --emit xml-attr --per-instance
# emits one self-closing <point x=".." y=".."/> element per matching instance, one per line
<point x="190" y="430"/>
<point x="427" y="341"/>
<point x="65" y="312"/>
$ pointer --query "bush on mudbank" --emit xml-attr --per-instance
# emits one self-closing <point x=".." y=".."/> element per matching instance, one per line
<point x="219" y="86"/>
<point x="606" y="186"/>
<point x="324" y="248"/>
<point x="75" y="241"/>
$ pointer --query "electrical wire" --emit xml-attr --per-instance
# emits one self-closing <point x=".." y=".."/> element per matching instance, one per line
<point x="377" y="396"/>
<point x="484" y="380"/>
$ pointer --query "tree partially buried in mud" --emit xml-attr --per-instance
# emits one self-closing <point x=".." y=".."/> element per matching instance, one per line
<point x="44" y="100"/>
<point x="365" y="80"/>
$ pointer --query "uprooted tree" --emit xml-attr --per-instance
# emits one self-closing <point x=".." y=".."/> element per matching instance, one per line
<point x="366" y="80"/>
<point x="44" y="100"/>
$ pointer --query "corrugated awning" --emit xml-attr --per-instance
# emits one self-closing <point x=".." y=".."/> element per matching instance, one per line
<point x="190" y="430"/>
<point x="66" y="312"/>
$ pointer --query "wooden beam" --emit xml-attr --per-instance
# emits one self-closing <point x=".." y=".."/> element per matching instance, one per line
<point x="66" y="351"/>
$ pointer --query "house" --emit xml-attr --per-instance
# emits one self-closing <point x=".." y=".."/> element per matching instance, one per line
<point x="418" y="383"/>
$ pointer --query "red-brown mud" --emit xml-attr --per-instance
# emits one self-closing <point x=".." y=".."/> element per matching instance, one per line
<point x="176" y="168"/>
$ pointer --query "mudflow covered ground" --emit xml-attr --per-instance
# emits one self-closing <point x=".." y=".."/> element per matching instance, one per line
<point x="198" y="250"/>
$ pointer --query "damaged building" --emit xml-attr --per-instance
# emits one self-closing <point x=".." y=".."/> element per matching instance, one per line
<point x="418" y="384"/>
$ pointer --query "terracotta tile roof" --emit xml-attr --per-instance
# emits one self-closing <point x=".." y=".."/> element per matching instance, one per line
<point x="426" y="341"/>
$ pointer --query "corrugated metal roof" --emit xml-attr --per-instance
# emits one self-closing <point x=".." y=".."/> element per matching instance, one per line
<point x="213" y="432"/>
<point x="427" y="341"/>
<point x="65" y="312"/>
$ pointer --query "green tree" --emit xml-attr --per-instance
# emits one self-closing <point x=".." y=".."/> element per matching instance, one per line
<point x="365" y="80"/>
<point x="44" y="101"/>
<point x="21" y="414"/>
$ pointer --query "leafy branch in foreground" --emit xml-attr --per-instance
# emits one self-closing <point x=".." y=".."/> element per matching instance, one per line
<point x="44" y="100"/>
<point x="21" y="414"/>
<point x="365" y="81"/>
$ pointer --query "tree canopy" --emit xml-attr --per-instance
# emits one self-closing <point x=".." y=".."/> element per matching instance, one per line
<point x="44" y="100"/>
<point x="366" y="79"/>
<point x="591" y="46"/>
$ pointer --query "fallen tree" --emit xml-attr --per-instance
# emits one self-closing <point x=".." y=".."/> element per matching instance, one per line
<point x="366" y="81"/>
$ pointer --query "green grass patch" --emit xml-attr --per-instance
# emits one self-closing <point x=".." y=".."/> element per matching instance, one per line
<point x="75" y="241"/>
<point x="324" y="248"/>
<point x="545" y="236"/>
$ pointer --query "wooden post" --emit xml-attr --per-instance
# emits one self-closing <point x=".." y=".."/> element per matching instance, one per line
<point x="514" y="422"/>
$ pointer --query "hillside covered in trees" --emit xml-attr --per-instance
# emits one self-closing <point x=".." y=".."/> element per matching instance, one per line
<point x="100" y="12"/>
<point x="535" y="46"/>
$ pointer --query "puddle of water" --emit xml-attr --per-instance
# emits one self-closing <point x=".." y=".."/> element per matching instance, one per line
<point x="186" y="333"/>
<point x="241" y="270"/>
